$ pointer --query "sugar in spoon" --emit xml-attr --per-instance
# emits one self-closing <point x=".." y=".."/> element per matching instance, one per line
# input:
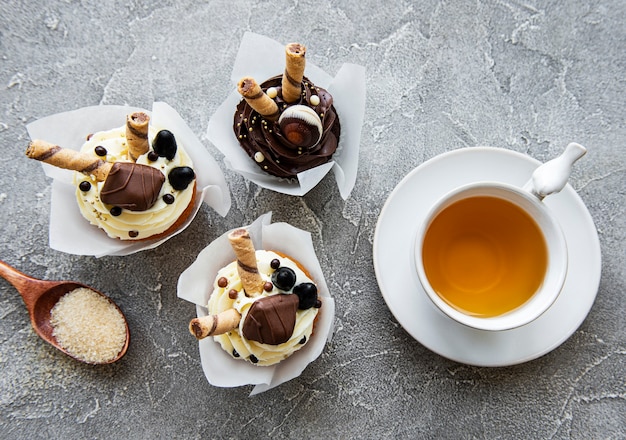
<point x="41" y="296"/>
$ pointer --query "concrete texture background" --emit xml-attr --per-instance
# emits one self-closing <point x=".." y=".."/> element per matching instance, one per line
<point x="441" y="75"/>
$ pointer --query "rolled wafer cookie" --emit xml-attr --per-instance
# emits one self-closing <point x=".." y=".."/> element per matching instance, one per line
<point x="213" y="325"/>
<point x="257" y="98"/>
<point x="68" y="159"/>
<point x="295" y="63"/>
<point x="246" y="262"/>
<point x="137" y="134"/>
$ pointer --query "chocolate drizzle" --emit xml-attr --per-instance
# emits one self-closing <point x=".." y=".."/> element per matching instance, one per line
<point x="271" y="319"/>
<point x="256" y="134"/>
<point x="132" y="186"/>
<point x="247" y="268"/>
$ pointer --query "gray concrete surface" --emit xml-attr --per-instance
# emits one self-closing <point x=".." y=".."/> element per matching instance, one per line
<point x="526" y="76"/>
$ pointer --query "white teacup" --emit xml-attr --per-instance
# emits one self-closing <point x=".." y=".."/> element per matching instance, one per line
<point x="491" y="255"/>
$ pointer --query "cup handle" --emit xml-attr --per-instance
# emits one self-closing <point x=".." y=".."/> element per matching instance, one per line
<point x="551" y="177"/>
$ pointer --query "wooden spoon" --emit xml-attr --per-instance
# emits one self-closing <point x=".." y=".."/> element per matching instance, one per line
<point x="40" y="297"/>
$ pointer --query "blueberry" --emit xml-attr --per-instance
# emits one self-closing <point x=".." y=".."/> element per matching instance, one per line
<point x="152" y="156"/>
<point x="307" y="293"/>
<point x="164" y="144"/>
<point x="181" y="177"/>
<point x="100" y="151"/>
<point x="284" y="278"/>
<point x="84" y="186"/>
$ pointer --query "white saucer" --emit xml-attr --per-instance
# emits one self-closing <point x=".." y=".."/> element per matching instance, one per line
<point x="397" y="277"/>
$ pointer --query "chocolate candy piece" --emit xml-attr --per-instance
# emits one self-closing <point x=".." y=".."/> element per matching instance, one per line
<point x="284" y="278"/>
<point x="301" y="127"/>
<point x="132" y="186"/>
<point x="181" y="177"/>
<point x="164" y="144"/>
<point x="307" y="293"/>
<point x="271" y="320"/>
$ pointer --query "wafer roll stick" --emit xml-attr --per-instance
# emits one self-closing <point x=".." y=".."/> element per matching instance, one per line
<point x="246" y="262"/>
<point x="213" y="325"/>
<point x="137" y="134"/>
<point x="295" y="63"/>
<point x="257" y="98"/>
<point x="68" y="159"/>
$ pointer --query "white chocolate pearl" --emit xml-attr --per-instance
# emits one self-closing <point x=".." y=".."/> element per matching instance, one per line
<point x="272" y="92"/>
<point x="258" y="156"/>
<point x="314" y="100"/>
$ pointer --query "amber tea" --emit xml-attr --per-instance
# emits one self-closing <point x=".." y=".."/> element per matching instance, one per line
<point x="484" y="256"/>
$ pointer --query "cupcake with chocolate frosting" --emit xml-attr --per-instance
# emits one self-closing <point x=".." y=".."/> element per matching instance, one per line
<point x="287" y="124"/>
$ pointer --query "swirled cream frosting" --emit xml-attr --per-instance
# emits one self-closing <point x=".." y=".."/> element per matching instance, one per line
<point x="138" y="222"/>
<point x="285" y="283"/>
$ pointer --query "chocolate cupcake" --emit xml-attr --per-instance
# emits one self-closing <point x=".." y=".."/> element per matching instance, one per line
<point x="287" y="124"/>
